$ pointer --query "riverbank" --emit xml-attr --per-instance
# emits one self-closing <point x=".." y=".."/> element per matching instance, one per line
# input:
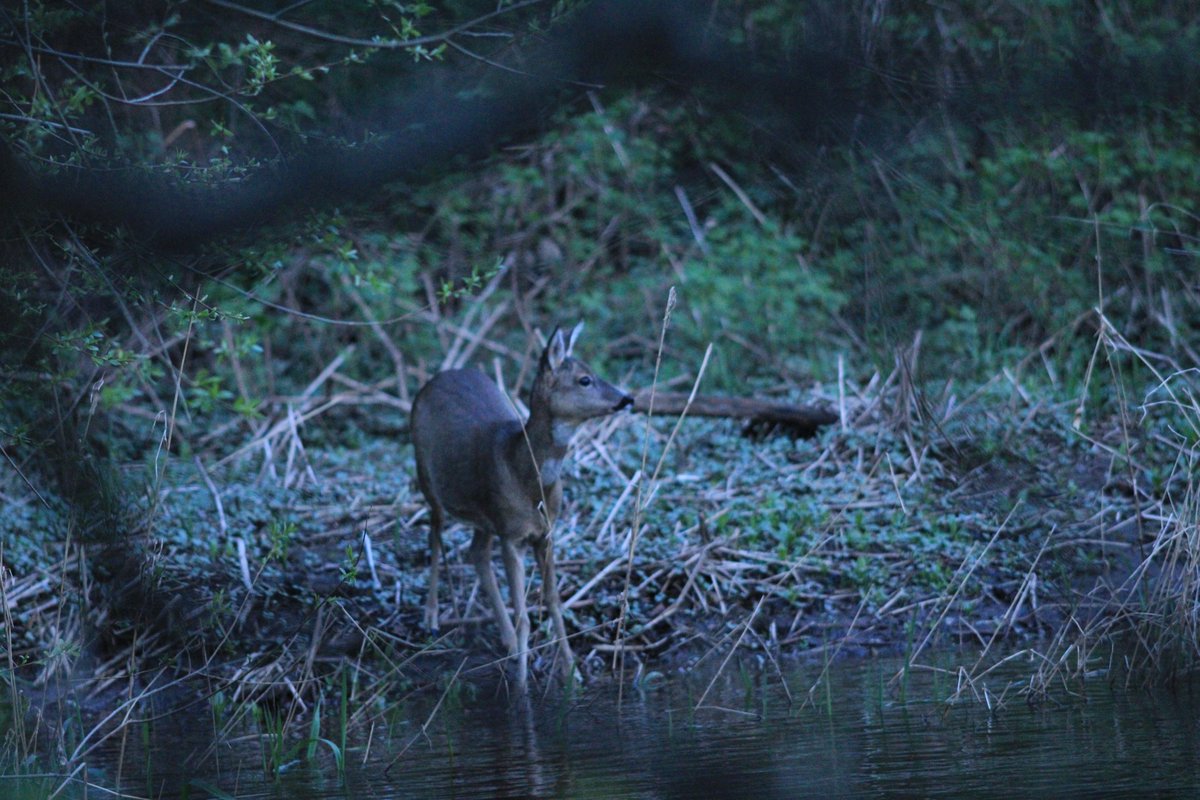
<point x="915" y="519"/>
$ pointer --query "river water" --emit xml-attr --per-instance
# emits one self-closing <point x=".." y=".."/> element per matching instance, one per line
<point x="850" y="730"/>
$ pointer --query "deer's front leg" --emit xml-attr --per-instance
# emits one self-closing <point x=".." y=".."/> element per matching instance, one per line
<point x="544" y="552"/>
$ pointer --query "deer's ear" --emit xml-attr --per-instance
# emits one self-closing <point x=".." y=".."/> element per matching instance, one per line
<point x="557" y="351"/>
<point x="578" y="329"/>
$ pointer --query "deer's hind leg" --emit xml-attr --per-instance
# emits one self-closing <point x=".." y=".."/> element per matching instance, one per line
<point x="436" y="522"/>
<point x="514" y="565"/>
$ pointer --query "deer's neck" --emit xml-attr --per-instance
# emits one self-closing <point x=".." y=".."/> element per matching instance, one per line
<point x="546" y="440"/>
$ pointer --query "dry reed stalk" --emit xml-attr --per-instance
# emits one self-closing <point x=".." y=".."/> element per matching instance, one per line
<point x="744" y="628"/>
<point x="374" y="394"/>
<point x="618" y="659"/>
<point x="466" y="340"/>
<point x="607" y="526"/>
<point x="948" y="602"/>
<point x="394" y="352"/>
<point x="124" y="711"/>
<point x="428" y="720"/>
<point x="291" y="418"/>
<point x="693" y="223"/>
<point x="698" y="560"/>
<point x="741" y="195"/>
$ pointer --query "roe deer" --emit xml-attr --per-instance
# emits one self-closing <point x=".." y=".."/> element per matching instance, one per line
<point x="477" y="462"/>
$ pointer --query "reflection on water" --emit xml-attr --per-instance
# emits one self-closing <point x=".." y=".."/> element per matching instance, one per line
<point x="848" y="738"/>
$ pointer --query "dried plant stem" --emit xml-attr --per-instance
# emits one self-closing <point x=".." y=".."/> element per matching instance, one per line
<point x="618" y="638"/>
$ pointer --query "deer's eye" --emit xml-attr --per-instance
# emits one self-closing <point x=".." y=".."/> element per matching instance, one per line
<point x="586" y="380"/>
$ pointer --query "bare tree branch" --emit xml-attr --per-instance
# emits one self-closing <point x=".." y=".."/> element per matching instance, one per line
<point x="382" y="44"/>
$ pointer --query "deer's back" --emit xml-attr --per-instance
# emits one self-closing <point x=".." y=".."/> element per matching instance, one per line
<point x="460" y="424"/>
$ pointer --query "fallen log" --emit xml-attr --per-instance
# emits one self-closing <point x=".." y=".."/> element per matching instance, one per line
<point x="760" y="415"/>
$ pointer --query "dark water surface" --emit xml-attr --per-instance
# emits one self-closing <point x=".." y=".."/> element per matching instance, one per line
<point x="851" y="736"/>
